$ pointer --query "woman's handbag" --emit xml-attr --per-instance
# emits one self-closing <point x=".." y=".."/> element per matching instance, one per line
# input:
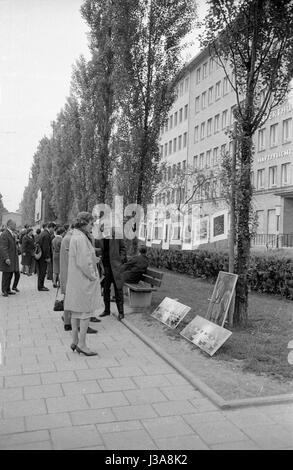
<point x="58" y="304"/>
<point x="37" y="253"/>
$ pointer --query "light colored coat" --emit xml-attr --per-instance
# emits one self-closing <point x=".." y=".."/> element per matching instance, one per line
<point x="83" y="292"/>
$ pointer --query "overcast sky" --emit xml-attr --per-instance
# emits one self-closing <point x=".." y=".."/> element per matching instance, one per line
<point x="39" y="42"/>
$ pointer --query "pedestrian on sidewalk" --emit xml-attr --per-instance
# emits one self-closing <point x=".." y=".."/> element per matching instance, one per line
<point x="56" y="245"/>
<point x="83" y="292"/>
<point x="113" y="254"/>
<point x="28" y="244"/>
<point x="64" y="252"/>
<point x="9" y="262"/>
<point x="45" y="244"/>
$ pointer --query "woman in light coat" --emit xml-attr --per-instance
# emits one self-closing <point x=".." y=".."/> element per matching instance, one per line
<point x="83" y="291"/>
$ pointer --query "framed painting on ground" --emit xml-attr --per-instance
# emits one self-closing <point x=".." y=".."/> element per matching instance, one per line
<point x="206" y="335"/>
<point x="221" y="298"/>
<point x="170" y="312"/>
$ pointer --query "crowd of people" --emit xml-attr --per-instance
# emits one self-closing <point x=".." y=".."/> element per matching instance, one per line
<point x="82" y="267"/>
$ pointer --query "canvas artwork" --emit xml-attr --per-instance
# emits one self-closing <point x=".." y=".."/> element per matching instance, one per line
<point x="200" y="231"/>
<point x="142" y="231"/>
<point x="187" y="233"/>
<point x="219" y="226"/>
<point x="149" y="234"/>
<point x="170" y="312"/>
<point x="208" y="336"/>
<point x="166" y="234"/>
<point x="221" y="298"/>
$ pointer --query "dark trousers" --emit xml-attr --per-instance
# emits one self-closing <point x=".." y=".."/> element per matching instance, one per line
<point x="108" y="280"/>
<point x="6" y="280"/>
<point x="16" y="279"/>
<point x="42" y="269"/>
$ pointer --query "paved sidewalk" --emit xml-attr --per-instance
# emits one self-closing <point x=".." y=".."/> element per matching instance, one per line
<point x="127" y="397"/>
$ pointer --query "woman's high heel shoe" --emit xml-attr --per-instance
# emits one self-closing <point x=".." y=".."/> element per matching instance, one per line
<point x="73" y="347"/>
<point x="80" y="351"/>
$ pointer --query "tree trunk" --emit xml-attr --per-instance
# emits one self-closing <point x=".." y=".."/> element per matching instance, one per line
<point x="244" y="198"/>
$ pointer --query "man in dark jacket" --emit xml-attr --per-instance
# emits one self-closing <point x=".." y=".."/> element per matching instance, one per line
<point x="113" y="254"/>
<point x="133" y="270"/>
<point x="9" y="262"/>
<point x="45" y="243"/>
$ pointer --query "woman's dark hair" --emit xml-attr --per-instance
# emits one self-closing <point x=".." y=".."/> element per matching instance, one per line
<point x="82" y="219"/>
<point x="38" y="231"/>
<point x="60" y="230"/>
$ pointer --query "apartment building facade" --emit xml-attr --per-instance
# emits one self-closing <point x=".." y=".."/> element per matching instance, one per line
<point x="195" y="136"/>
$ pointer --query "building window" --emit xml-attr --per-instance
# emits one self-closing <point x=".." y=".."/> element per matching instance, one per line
<point x="186" y="111"/>
<point x="211" y="95"/>
<point x="162" y="130"/>
<point x="208" y="158"/>
<point x="261" y="140"/>
<point x="201" y="161"/>
<point x="205" y="70"/>
<point x="273" y="135"/>
<point x="215" y="156"/>
<point x="232" y="117"/>
<point x="224" y="118"/>
<point x="162" y="151"/>
<point x="287" y="130"/>
<point x="175" y="119"/>
<point x="252" y="178"/>
<point x="198" y="75"/>
<point x="285" y="174"/>
<point x="169" y="173"/>
<point x="171" y="122"/>
<point x="197" y="107"/>
<point x="195" y="161"/>
<point x="166" y="126"/>
<point x="211" y="65"/>
<point x="175" y="144"/>
<point x="179" y="142"/>
<point x="184" y="139"/>
<point x="203" y="100"/>
<point x="218" y="90"/>
<point x="181" y="89"/>
<point x="202" y="130"/>
<point x="184" y="165"/>
<point x="196" y="134"/>
<point x="178" y="168"/>
<point x="225" y="85"/>
<point x="217" y="123"/>
<point x="260" y="178"/>
<point x="223" y="150"/>
<point x="272" y="176"/>
<point x="170" y="147"/>
<point x="180" y="114"/>
<point x="209" y="127"/>
<point x="166" y="150"/>
<point x="186" y="84"/>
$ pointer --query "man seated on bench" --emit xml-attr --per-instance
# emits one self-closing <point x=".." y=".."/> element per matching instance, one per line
<point x="133" y="270"/>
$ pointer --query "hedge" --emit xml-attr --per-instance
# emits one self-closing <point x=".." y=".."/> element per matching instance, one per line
<point x="267" y="273"/>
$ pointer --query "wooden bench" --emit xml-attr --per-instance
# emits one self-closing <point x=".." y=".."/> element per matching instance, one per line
<point x="140" y="295"/>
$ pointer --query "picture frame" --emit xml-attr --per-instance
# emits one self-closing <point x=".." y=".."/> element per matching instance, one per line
<point x="221" y="299"/>
<point x="208" y="336"/>
<point x="170" y="312"/>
